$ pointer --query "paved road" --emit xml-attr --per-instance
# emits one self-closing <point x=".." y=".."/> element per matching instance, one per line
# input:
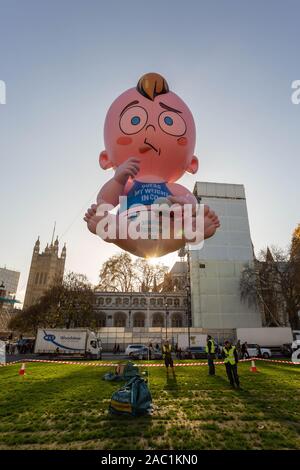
<point x="107" y="356"/>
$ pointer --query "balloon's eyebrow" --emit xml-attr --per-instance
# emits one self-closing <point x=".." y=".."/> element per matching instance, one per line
<point x="128" y="105"/>
<point x="165" y="106"/>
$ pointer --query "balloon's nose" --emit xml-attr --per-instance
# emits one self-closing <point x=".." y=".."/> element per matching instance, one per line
<point x="150" y="126"/>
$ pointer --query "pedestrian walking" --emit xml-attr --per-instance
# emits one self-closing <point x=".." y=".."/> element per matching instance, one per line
<point x="150" y="351"/>
<point x="229" y="354"/>
<point x="210" y="349"/>
<point x="244" y="351"/>
<point x="258" y="351"/>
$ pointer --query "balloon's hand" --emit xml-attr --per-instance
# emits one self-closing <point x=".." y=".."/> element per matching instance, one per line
<point x="129" y="168"/>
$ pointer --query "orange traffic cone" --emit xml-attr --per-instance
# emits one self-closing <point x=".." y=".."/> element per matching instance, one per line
<point x="253" y="367"/>
<point x="22" y="369"/>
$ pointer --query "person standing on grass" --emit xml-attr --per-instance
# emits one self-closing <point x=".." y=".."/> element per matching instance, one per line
<point x="230" y="356"/>
<point x="167" y="356"/>
<point x="210" y="349"/>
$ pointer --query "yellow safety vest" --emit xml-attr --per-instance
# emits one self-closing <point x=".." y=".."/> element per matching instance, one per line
<point x="212" y="349"/>
<point x="229" y="355"/>
<point x="167" y="349"/>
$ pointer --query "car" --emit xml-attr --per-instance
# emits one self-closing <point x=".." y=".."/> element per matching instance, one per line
<point x="195" y="352"/>
<point x="133" y="348"/>
<point x="25" y="345"/>
<point x="254" y="350"/>
<point x="143" y="353"/>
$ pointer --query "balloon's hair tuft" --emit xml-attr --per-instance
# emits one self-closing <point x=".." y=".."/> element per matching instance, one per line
<point x="151" y="85"/>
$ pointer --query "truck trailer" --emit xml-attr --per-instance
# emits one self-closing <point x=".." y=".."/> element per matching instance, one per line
<point x="265" y="336"/>
<point x="63" y="341"/>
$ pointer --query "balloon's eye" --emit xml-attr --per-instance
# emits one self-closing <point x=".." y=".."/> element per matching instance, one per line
<point x="135" y="120"/>
<point x="172" y="123"/>
<point x="168" y="120"/>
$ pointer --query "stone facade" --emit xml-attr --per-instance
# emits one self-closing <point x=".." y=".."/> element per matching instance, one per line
<point x="135" y="317"/>
<point x="46" y="268"/>
<point x="141" y="310"/>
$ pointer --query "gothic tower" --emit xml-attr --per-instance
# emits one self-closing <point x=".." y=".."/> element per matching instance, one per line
<point x="47" y="268"/>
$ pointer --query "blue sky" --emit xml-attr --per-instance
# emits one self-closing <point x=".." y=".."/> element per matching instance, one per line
<point x="64" y="62"/>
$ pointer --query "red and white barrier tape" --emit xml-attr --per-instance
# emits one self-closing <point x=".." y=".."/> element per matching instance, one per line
<point x="160" y="364"/>
<point x="273" y="360"/>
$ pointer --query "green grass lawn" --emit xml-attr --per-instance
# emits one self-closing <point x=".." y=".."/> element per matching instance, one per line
<point x="65" y="407"/>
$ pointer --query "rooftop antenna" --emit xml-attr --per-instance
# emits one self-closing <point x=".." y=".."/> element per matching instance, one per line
<point x="53" y="233"/>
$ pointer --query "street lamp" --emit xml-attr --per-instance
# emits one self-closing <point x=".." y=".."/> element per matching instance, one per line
<point x="188" y="312"/>
<point x="167" y="314"/>
<point x="129" y="317"/>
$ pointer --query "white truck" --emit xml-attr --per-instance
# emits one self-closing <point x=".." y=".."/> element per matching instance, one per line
<point x="196" y="339"/>
<point x="76" y="341"/>
<point x="265" y="336"/>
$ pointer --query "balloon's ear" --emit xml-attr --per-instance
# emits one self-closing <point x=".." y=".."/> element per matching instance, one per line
<point x="193" y="166"/>
<point x="104" y="160"/>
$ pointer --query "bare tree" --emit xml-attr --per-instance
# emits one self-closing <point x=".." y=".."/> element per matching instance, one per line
<point x="148" y="276"/>
<point x="121" y="273"/>
<point x="117" y="274"/>
<point x="272" y="284"/>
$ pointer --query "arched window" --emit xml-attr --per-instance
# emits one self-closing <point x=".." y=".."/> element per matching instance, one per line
<point x="176" y="320"/>
<point x="101" y="320"/>
<point x="158" y="319"/>
<point x="139" y="320"/>
<point x="120" y="319"/>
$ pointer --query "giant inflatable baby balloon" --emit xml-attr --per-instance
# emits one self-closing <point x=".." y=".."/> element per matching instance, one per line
<point x="149" y="137"/>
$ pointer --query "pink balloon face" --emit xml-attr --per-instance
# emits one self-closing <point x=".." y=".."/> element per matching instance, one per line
<point x="161" y="133"/>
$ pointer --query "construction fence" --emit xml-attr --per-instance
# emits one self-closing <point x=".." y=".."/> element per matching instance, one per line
<point x="121" y="336"/>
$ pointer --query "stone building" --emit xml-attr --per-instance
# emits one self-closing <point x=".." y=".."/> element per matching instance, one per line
<point x="46" y="268"/>
<point x="141" y="310"/>
<point x="137" y="317"/>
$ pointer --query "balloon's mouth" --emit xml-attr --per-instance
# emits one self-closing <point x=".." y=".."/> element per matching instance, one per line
<point x="147" y="147"/>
